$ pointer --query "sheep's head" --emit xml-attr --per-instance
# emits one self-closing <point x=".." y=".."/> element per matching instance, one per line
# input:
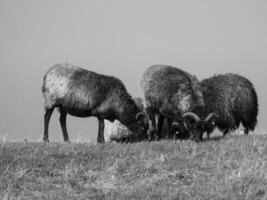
<point x="197" y="126"/>
<point x="138" y="126"/>
<point x="179" y="131"/>
<point x="142" y="122"/>
<point x="142" y="119"/>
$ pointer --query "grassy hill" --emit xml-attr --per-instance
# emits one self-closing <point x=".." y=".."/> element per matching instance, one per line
<point x="234" y="167"/>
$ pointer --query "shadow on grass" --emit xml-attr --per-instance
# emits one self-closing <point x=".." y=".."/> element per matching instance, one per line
<point x="216" y="138"/>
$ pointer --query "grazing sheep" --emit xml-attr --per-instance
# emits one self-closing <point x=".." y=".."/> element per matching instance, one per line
<point x="115" y="131"/>
<point x="84" y="93"/>
<point x="234" y="100"/>
<point x="171" y="93"/>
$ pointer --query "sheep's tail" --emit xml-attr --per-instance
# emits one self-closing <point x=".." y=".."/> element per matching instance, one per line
<point x="43" y="86"/>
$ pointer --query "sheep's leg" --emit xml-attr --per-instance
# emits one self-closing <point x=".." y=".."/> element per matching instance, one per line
<point x="160" y="125"/>
<point x="152" y="125"/>
<point x="101" y="126"/>
<point x="47" y="116"/>
<point x="169" y="121"/>
<point x="246" y="131"/>
<point x="225" y="132"/>
<point x="208" y="135"/>
<point x="62" y="120"/>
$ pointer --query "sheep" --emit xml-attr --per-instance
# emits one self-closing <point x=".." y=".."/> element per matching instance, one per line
<point x="234" y="100"/>
<point x="116" y="131"/>
<point x="171" y="93"/>
<point x="83" y="93"/>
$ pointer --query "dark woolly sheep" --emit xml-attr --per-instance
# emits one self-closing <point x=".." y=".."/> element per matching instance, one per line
<point x="171" y="93"/>
<point x="115" y="131"/>
<point x="234" y="100"/>
<point x="84" y="93"/>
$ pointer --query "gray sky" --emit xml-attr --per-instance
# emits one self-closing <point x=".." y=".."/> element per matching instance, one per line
<point x="121" y="38"/>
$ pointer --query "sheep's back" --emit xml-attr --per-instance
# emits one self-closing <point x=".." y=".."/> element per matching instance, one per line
<point x="166" y="85"/>
<point x="232" y="97"/>
<point x="79" y="88"/>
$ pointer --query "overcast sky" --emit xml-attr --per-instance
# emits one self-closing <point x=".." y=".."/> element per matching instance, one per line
<point x="121" y="38"/>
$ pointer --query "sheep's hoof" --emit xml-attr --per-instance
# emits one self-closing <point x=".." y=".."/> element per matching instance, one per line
<point x="246" y="131"/>
<point x="46" y="140"/>
<point x="151" y="133"/>
<point x="100" y="141"/>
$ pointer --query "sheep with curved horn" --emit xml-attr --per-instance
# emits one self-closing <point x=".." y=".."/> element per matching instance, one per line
<point x="170" y="93"/>
<point x="234" y="100"/>
<point x="205" y="125"/>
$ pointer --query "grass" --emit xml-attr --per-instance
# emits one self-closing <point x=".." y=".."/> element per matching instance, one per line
<point x="233" y="167"/>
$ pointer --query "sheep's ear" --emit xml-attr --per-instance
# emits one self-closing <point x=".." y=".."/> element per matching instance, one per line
<point x="141" y="118"/>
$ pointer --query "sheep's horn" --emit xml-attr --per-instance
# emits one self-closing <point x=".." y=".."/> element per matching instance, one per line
<point x="175" y="123"/>
<point x="139" y="114"/>
<point x="210" y="116"/>
<point x="192" y="115"/>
